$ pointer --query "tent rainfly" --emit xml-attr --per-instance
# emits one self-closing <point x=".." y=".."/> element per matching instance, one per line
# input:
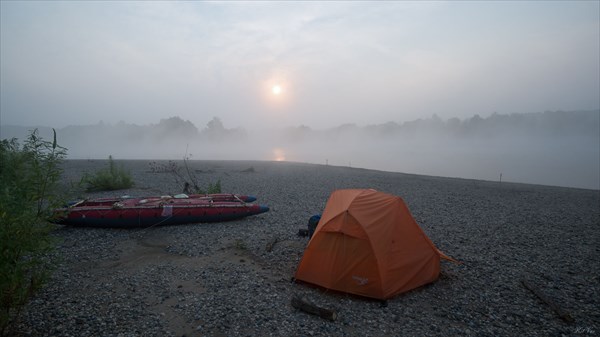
<point x="367" y="243"/>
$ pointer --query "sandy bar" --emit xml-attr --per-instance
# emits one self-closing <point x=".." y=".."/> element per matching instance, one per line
<point x="220" y="280"/>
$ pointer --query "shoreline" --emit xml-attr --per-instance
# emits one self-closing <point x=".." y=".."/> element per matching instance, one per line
<point x="300" y="163"/>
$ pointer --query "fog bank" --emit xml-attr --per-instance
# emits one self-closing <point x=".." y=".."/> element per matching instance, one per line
<point x="551" y="148"/>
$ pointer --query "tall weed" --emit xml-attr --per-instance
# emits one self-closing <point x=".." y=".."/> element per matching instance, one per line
<point x="29" y="177"/>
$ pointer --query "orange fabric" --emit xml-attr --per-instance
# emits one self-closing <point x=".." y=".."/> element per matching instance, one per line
<point x="367" y="243"/>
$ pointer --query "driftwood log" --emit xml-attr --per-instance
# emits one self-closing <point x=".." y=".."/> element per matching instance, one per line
<point x="564" y="315"/>
<point x="312" y="309"/>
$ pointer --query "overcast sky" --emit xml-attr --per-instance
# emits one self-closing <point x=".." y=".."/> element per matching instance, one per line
<point x="79" y="62"/>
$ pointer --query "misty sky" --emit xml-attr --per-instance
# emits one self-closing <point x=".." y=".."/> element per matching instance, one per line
<point x="79" y="62"/>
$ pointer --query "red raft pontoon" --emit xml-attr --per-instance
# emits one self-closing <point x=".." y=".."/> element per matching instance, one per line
<point x="128" y="212"/>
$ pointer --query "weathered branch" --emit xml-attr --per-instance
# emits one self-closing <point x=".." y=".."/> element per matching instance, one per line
<point x="271" y="244"/>
<point x="312" y="309"/>
<point x="564" y="315"/>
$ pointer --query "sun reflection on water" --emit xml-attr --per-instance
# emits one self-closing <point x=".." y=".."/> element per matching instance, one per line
<point x="278" y="154"/>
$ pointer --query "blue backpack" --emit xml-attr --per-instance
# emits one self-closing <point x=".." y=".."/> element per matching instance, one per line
<point x="312" y="224"/>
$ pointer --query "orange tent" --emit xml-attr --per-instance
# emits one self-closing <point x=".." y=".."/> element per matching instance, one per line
<point x="367" y="243"/>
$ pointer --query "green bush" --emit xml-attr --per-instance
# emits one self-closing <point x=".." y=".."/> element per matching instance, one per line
<point x="29" y="178"/>
<point x="214" y="188"/>
<point x="113" y="178"/>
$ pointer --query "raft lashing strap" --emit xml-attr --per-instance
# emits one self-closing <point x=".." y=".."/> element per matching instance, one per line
<point x="238" y="199"/>
<point x="79" y="202"/>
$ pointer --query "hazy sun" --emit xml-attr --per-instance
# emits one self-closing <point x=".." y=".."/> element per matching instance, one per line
<point x="276" y="90"/>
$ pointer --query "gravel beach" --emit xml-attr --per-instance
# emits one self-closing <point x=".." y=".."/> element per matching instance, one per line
<point x="220" y="279"/>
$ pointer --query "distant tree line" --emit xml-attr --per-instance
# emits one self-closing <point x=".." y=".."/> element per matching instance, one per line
<point x="549" y="123"/>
